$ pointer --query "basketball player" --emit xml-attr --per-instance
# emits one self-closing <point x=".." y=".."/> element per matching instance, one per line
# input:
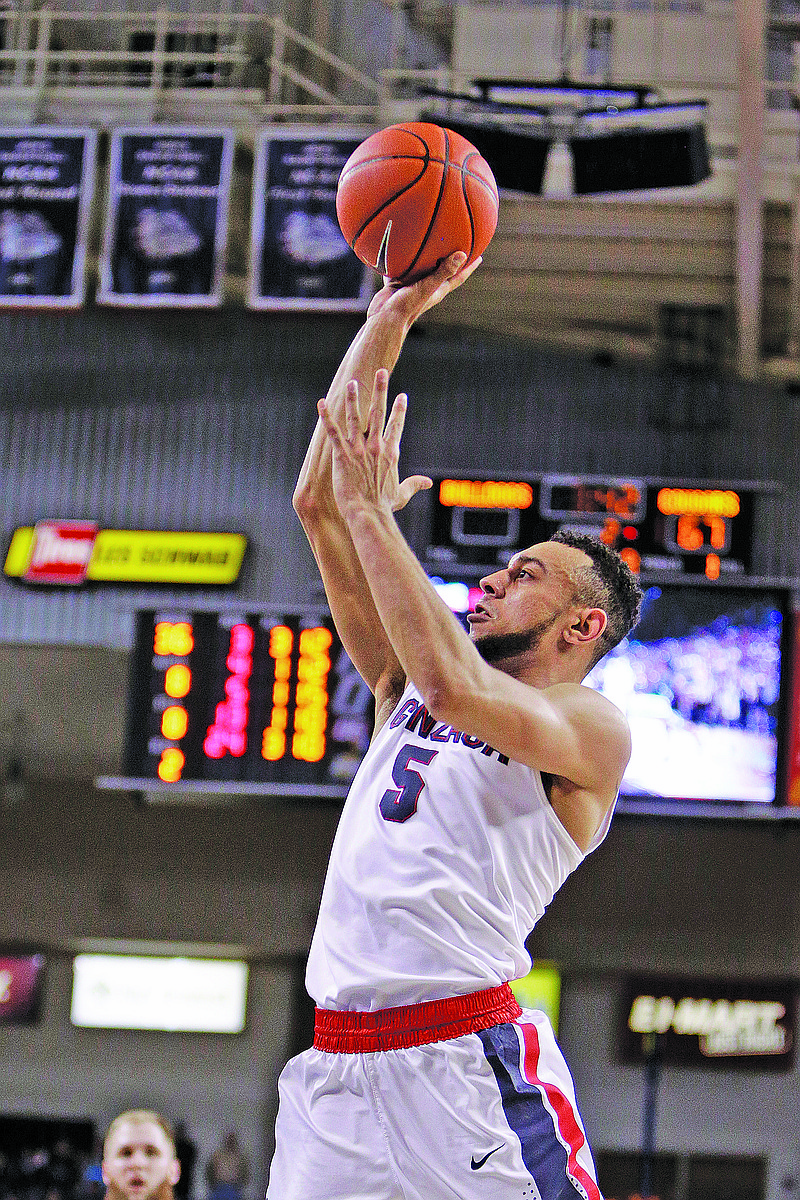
<point x="491" y="774"/>
<point x="139" y="1159"/>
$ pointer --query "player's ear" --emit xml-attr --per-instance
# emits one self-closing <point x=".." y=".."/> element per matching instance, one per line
<point x="587" y="625"/>
<point x="174" y="1172"/>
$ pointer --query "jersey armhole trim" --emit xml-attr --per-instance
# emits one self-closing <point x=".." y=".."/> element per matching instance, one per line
<point x="562" y="832"/>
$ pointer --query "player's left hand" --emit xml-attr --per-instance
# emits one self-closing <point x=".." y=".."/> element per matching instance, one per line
<point x="411" y="300"/>
<point x="365" y="462"/>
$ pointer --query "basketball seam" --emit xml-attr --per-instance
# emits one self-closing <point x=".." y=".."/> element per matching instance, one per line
<point x="468" y="207"/>
<point x="436" y="207"/>
<point x="387" y="202"/>
<point x="415" y="158"/>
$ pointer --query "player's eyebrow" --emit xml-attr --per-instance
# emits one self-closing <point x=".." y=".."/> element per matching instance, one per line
<point x="522" y="560"/>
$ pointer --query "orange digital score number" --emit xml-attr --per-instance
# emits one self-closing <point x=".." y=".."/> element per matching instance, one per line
<point x="228" y="733"/>
<point x="698" y="521"/>
<point x="273" y="742"/>
<point x="311" y="699"/>
<point x="173" y="640"/>
<point x="310" y="718"/>
<point x="621" y="500"/>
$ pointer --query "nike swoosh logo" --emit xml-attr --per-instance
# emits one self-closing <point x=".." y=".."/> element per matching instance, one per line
<point x="477" y="1163"/>
<point x="381" y="265"/>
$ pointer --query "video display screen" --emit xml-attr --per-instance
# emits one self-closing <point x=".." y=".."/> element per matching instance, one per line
<point x="700" y="682"/>
<point x="21" y="988"/>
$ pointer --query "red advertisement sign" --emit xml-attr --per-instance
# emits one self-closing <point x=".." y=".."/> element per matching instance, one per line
<point x="61" y="551"/>
<point x="20" y="988"/>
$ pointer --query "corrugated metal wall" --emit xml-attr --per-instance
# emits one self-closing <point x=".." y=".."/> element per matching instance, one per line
<point x="199" y="420"/>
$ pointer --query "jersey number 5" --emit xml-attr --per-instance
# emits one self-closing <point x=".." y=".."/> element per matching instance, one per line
<point x="398" y="804"/>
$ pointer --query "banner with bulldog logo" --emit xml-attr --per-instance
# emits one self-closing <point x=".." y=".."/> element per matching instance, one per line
<point x="299" y="258"/>
<point x="167" y="215"/>
<point x="46" y="183"/>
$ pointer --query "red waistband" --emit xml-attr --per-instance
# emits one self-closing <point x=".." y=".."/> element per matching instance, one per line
<point x="341" y="1032"/>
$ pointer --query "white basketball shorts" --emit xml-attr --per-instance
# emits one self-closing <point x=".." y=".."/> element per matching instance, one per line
<point x="489" y="1115"/>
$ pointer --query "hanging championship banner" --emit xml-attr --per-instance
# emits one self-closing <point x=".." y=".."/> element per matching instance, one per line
<point x="298" y="256"/>
<point x="46" y="182"/>
<point x="167" y="217"/>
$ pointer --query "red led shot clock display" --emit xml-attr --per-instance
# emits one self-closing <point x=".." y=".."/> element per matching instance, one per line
<point x="245" y="697"/>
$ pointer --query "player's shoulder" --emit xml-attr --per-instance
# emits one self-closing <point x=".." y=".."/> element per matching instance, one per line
<point x="594" y="715"/>
<point x="598" y="741"/>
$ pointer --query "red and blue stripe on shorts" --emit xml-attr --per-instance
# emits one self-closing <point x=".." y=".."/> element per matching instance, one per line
<point x="539" y="1112"/>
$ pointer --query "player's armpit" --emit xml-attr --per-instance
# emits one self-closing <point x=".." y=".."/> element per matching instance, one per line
<point x="387" y="696"/>
<point x="569" y="732"/>
<point x="580" y="811"/>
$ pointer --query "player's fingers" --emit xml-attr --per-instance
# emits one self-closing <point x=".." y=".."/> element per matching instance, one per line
<point x="446" y="278"/>
<point x="467" y="271"/>
<point x="380" y="392"/>
<point x="409" y="488"/>
<point x="374" y="425"/>
<point x="394" y="426"/>
<point x="330" y="426"/>
<point x="454" y="278"/>
<point x="446" y="269"/>
<point x="376" y="413"/>
<point x="453" y="263"/>
<point x="351" y="421"/>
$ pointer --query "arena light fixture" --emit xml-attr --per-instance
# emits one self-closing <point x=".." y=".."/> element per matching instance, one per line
<point x="517" y="156"/>
<point x="558" y="93"/>
<point x="515" y="139"/>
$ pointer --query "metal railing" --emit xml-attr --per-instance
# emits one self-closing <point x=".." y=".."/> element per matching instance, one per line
<point x="266" y="63"/>
<point x="243" y="68"/>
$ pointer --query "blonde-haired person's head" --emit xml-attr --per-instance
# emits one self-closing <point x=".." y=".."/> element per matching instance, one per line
<point x="139" y="1159"/>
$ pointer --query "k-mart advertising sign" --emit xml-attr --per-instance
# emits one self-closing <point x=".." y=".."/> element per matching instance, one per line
<point x="733" y="1023"/>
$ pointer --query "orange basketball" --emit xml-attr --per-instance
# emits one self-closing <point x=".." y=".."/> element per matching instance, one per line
<point x="412" y="194"/>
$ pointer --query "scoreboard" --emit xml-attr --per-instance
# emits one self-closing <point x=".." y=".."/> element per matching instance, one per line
<point x="658" y="525"/>
<point x="268" y="701"/>
<point x="269" y="698"/>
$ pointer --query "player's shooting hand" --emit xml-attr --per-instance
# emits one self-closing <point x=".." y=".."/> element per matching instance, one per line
<point x="412" y="300"/>
<point x="365" y="461"/>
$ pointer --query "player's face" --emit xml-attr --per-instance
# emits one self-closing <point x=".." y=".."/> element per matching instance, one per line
<point x="525" y="600"/>
<point x="139" y="1162"/>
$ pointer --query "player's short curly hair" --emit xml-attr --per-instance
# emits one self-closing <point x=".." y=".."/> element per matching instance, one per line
<point x="608" y="583"/>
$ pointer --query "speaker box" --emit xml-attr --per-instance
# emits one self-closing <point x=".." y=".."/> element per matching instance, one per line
<point x="639" y="159"/>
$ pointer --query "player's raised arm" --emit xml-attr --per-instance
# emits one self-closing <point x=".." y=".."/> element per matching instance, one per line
<point x="375" y="349"/>
<point x="543" y="621"/>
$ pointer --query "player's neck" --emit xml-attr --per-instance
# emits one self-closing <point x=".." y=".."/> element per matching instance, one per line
<point x="544" y="671"/>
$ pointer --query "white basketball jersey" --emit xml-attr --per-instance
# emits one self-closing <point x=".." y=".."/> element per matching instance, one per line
<point x="446" y="855"/>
